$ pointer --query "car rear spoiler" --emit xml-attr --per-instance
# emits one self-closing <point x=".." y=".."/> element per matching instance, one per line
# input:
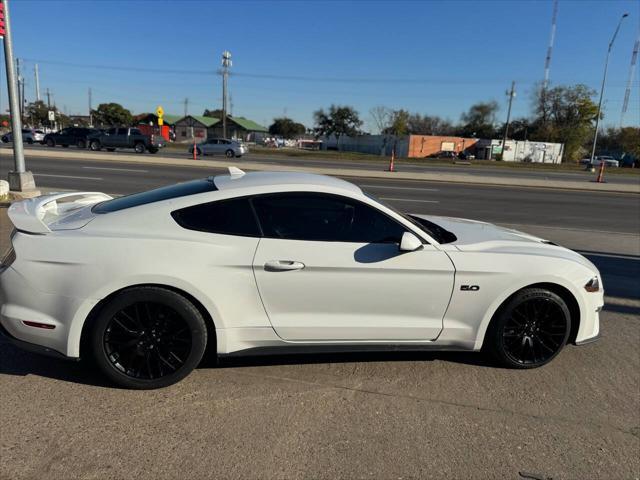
<point x="34" y="215"/>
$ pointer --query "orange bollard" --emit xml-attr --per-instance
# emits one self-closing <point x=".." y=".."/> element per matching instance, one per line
<point x="600" y="178"/>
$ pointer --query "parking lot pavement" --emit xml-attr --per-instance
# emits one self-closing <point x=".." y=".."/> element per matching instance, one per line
<point x="392" y="415"/>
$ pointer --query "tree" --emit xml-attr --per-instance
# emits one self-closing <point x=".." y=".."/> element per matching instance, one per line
<point x="38" y="112"/>
<point x="480" y="120"/>
<point x="286" y="128"/>
<point x="429" y="125"/>
<point x="398" y="123"/>
<point x="338" y="121"/>
<point x="621" y="142"/>
<point x="381" y="117"/>
<point x="111" y="114"/>
<point x="215" y="113"/>
<point x="565" y="114"/>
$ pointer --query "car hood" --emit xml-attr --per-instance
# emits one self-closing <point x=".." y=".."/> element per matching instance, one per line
<point x="477" y="236"/>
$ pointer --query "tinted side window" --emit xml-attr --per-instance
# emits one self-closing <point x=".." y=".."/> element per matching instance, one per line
<point x="229" y="217"/>
<point x="111" y="131"/>
<point x="135" y="131"/>
<point x="318" y="217"/>
<point x="123" y="131"/>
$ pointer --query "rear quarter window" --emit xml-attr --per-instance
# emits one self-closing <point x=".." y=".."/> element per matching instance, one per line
<point x="228" y="217"/>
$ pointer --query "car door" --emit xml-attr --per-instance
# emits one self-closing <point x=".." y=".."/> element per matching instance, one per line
<point x="109" y="137"/>
<point x="329" y="269"/>
<point x="209" y="146"/>
<point x="63" y="137"/>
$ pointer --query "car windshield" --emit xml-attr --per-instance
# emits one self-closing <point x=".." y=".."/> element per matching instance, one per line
<point x="435" y="231"/>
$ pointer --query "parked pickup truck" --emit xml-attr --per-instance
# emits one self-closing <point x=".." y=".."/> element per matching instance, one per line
<point x="126" y="138"/>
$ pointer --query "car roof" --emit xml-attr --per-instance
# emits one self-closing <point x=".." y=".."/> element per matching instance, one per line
<point x="289" y="180"/>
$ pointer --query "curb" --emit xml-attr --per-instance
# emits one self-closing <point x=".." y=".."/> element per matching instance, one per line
<point x="484" y="180"/>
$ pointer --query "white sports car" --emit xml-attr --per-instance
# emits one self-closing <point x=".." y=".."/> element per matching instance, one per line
<point x="268" y="261"/>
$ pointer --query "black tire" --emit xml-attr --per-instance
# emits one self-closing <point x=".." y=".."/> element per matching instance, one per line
<point x="529" y="330"/>
<point x="148" y="337"/>
<point x="111" y="149"/>
<point x="229" y="153"/>
<point x="81" y="144"/>
<point x="5" y="140"/>
<point x="50" y="142"/>
<point x="139" y="147"/>
<point x="94" y="146"/>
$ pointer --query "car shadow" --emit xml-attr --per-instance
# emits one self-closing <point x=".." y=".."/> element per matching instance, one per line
<point x="16" y="362"/>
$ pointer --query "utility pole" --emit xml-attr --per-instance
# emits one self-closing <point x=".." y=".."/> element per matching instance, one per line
<point x="511" y="93"/>
<point x="547" y="61"/>
<point x="20" y="99"/>
<point x="20" y="180"/>
<point x="186" y="107"/>
<point x="48" y="98"/>
<point x="37" y="82"/>
<point x="632" y="70"/>
<point x="90" y="114"/>
<point x="226" y="63"/>
<point x="604" y="79"/>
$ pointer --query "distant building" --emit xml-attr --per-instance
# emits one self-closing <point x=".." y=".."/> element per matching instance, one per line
<point x="237" y="127"/>
<point x="195" y="127"/>
<point x="520" y="151"/>
<point x="421" y="146"/>
<point x="241" y="128"/>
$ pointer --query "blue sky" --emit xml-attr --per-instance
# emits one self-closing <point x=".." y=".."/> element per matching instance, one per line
<point x="431" y="57"/>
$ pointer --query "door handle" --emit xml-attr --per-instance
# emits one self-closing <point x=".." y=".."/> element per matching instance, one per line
<point x="282" y="265"/>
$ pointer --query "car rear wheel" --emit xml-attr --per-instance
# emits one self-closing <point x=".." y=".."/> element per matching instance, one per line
<point x="229" y="153"/>
<point x="530" y="329"/>
<point x="50" y="142"/>
<point x="94" y="146"/>
<point x="139" y="147"/>
<point x="148" y="337"/>
<point x="81" y="144"/>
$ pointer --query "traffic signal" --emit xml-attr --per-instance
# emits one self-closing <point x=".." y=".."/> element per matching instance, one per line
<point x="1" y="19"/>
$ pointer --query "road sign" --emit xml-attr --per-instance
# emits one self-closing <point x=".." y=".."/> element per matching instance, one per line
<point x="159" y="111"/>
<point x="52" y="116"/>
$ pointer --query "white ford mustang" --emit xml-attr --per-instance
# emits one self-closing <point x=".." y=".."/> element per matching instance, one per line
<point x="257" y="262"/>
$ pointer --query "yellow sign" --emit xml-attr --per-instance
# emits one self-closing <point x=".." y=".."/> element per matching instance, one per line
<point x="160" y="121"/>
<point x="159" y="111"/>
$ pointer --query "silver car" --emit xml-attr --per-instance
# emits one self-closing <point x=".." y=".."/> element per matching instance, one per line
<point x="220" y="146"/>
<point x="27" y="136"/>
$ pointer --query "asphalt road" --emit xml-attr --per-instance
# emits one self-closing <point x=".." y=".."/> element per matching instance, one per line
<point x="392" y="415"/>
<point x="514" y="205"/>
<point x="401" y="165"/>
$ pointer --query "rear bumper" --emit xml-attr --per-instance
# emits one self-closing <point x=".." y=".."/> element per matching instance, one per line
<point x="31" y="347"/>
<point x="20" y="303"/>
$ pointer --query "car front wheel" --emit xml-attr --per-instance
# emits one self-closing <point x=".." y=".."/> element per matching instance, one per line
<point x="530" y="329"/>
<point x="139" y="148"/>
<point x="50" y="142"/>
<point x="148" y="337"/>
<point x="230" y="154"/>
<point x="94" y="145"/>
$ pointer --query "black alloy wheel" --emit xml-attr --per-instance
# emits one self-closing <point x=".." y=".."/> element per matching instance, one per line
<point x="95" y="146"/>
<point x="148" y="337"/>
<point x="531" y="329"/>
<point x="229" y="153"/>
<point x="139" y="148"/>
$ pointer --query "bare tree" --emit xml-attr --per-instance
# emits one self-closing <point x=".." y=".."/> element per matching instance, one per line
<point x="381" y="117"/>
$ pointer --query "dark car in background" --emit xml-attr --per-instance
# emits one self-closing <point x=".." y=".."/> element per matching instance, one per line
<point x="77" y="136"/>
<point x="124" y="137"/>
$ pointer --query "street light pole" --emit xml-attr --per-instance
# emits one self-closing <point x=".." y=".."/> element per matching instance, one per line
<point x="19" y="179"/>
<point x="604" y="79"/>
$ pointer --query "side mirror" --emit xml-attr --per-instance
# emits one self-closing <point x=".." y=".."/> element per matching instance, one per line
<point x="409" y="242"/>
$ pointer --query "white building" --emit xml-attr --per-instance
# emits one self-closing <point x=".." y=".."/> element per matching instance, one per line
<point x="521" y="151"/>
